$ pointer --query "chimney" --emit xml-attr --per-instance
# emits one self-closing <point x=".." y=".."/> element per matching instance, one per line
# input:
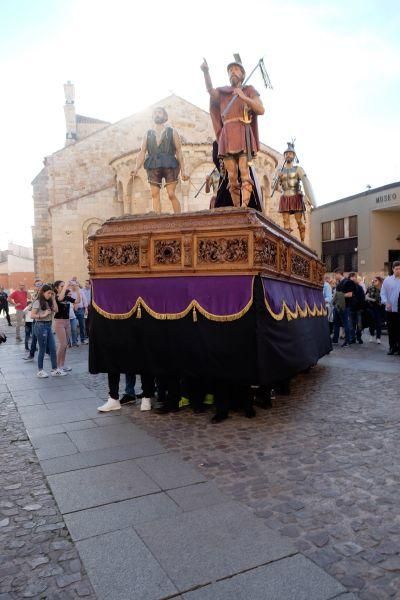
<point x="69" y="111"/>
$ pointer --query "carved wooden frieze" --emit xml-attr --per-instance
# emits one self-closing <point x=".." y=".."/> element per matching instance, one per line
<point x="117" y="255"/>
<point x="167" y="252"/>
<point x="320" y="268"/>
<point x="284" y="257"/>
<point x="188" y="250"/>
<point x="265" y="250"/>
<point x="224" y="241"/>
<point x="300" y="266"/>
<point x="222" y="250"/>
<point x="144" y="251"/>
<point x="89" y="247"/>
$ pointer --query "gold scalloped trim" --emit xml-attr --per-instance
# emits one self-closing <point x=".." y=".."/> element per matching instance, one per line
<point x="192" y="306"/>
<point x="297" y="313"/>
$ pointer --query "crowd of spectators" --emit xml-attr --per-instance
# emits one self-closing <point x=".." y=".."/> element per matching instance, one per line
<point x="50" y="310"/>
<point x="354" y="308"/>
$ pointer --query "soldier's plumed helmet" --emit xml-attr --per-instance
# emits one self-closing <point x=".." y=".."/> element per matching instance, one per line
<point x="238" y="64"/>
<point x="290" y="148"/>
<point x="162" y="109"/>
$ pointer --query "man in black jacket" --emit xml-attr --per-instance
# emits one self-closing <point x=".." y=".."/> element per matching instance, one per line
<point x="4" y="304"/>
<point x="356" y="310"/>
<point x="342" y="314"/>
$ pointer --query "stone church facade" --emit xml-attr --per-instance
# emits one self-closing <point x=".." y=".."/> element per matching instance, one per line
<point x="89" y="180"/>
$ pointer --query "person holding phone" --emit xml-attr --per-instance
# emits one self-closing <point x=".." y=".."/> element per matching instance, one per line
<point x="43" y="309"/>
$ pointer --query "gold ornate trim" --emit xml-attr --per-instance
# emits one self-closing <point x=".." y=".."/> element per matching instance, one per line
<point x="298" y="313"/>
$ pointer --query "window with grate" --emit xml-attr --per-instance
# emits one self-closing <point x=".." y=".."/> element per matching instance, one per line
<point x="353" y="228"/>
<point x="326" y="231"/>
<point x="339" y="229"/>
<point x="328" y="262"/>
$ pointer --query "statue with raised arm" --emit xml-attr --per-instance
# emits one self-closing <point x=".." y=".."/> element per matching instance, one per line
<point x="290" y="180"/>
<point x="161" y="155"/>
<point x="235" y="126"/>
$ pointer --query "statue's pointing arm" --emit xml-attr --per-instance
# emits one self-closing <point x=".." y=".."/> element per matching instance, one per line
<point x="307" y="187"/>
<point x="214" y="94"/>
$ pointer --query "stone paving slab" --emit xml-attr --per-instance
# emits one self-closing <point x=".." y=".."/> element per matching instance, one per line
<point x="41" y="416"/>
<point x="73" y="392"/>
<point x="95" y="458"/>
<point x="120" y="567"/>
<point x="53" y="446"/>
<point x="109" y="437"/>
<point x="119" y="515"/>
<point x="294" y="578"/>
<point x="196" y="548"/>
<point x="110" y="419"/>
<point x="197" y="496"/>
<point x="169" y="471"/>
<point x="88" y="404"/>
<point x="49" y="385"/>
<point x="76" y="490"/>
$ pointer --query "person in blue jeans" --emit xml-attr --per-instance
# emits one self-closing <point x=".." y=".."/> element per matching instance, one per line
<point x="342" y="315"/>
<point x="43" y="309"/>
<point x="80" y="308"/>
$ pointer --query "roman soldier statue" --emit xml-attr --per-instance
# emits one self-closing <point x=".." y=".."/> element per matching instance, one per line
<point x="164" y="160"/>
<point x="290" y="180"/>
<point x="235" y="126"/>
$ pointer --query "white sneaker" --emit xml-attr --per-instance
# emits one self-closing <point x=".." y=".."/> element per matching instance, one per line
<point x="66" y="369"/>
<point x="371" y="338"/>
<point x="41" y="374"/>
<point x="58" y="373"/>
<point x="146" y="404"/>
<point x="27" y="357"/>
<point x="85" y="342"/>
<point x="111" y="404"/>
<point x="378" y="340"/>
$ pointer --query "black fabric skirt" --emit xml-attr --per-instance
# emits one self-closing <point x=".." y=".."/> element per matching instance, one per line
<point x="255" y="349"/>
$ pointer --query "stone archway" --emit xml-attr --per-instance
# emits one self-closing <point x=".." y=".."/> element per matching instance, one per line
<point x="89" y="227"/>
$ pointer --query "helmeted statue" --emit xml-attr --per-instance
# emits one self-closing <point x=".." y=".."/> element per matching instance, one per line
<point x="291" y="179"/>
<point x="235" y="126"/>
<point x="161" y="154"/>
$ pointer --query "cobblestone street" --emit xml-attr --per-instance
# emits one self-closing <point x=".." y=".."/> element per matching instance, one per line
<point x="37" y="557"/>
<point x="321" y="468"/>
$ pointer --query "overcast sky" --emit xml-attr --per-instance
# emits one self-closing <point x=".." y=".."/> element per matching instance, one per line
<point x="334" y="65"/>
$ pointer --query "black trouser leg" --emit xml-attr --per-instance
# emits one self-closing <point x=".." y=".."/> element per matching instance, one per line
<point x="221" y="401"/>
<point x="173" y="393"/>
<point x="113" y="385"/>
<point x="7" y="315"/>
<point x="168" y="393"/>
<point x="196" y="393"/>
<point x="393" y="330"/>
<point x="148" y="385"/>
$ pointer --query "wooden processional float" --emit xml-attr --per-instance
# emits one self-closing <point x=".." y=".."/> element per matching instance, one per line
<point x="219" y="294"/>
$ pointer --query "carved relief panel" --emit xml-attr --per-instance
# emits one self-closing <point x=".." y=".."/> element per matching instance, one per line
<point x="265" y="251"/>
<point x="300" y="266"/>
<point x="222" y="250"/>
<point x="167" y="252"/>
<point x="117" y="255"/>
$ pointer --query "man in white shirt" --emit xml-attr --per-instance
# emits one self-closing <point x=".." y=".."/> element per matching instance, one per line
<point x="390" y="297"/>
